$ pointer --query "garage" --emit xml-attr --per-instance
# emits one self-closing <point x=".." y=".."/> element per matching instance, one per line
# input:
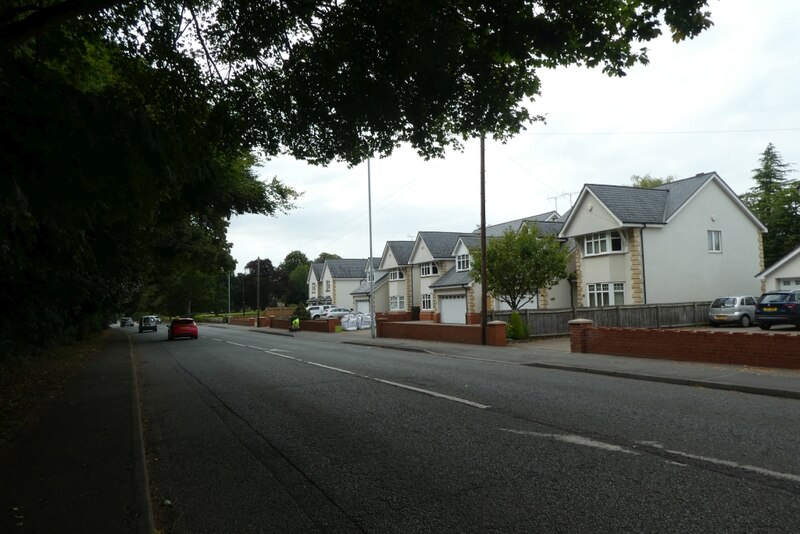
<point x="362" y="306"/>
<point x="453" y="309"/>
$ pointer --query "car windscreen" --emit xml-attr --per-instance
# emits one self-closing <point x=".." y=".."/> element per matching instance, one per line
<point x="724" y="303"/>
<point x="183" y="321"/>
<point x="774" y="297"/>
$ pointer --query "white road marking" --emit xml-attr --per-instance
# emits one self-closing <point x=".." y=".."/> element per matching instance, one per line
<point x="745" y="467"/>
<point x="274" y="352"/>
<point x="432" y="393"/>
<point x="575" y="440"/>
<point x="580" y="440"/>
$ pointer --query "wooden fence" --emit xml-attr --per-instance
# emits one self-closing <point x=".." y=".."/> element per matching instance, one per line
<point x="555" y="322"/>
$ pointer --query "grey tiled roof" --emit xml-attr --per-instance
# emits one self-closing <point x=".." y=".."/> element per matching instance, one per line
<point x="452" y="278"/>
<point x="500" y="229"/>
<point x="318" y="267"/>
<point x="363" y="289"/>
<point x="401" y="250"/>
<point x="440" y="244"/>
<point x="653" y="206"/>
<point x="632" y="204"/>
<point x="472" y="241"/>
<point x="347" y="268"/>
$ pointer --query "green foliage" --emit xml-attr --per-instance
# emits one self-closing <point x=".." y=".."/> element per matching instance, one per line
<point x="129" y="128"/>
<point x="519" y="264"/>
<point x="775" y="200"/>
<point x="516" y="329"/>
<point x="650" y="182"/>
<point x="302" y="313"/>
<point x="326" y="256"/>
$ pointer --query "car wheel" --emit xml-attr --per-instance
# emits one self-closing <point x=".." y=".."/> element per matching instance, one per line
<point x="195" y="337"/>
<point x="713" y="324"/>
<point x="764" y="326"/>
<point x="140" y="330"/>
<point x="744" y="322"/>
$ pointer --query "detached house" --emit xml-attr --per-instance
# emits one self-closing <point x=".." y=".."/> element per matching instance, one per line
<point x="338" y="279"/>
<point x="379" y="289"/>
<point x="430" y="258"/>
<point x="784" y="274"/>
<point x="689" y="240"/>
<point x="314" y="281"/>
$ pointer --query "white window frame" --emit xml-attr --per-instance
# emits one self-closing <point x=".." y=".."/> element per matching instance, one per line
<point x="603" y="243"/>
<point x="427" y="301"/>
<point x="397" y="303"/>
<point x="429" y="269"/>
<point x="314" y="288"/>
<point x="603" y="294"/>
<point x="462" y="262"/>
<point x="397" y="274"/>
<point x="715" y="241"/>
<point x="327" y="286"/>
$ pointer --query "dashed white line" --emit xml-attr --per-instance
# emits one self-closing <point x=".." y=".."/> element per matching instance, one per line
<point x="588" y="442"/>
<point x="274" y="352"/>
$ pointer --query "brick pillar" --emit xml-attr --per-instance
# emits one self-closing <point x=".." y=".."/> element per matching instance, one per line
<point x="578" y="328"/>
<point x="379" y="326"/>
<point x="496" y="333"/>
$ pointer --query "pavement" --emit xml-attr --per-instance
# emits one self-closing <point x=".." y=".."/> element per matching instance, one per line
<point x="80" y="465"/>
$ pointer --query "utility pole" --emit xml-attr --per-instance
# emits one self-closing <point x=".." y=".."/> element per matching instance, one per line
<point x="484" y="290"/>
<point x="370" y="266"/>
<point x="258" y="293"/>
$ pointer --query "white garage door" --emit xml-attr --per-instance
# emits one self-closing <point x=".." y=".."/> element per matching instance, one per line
<point x="453" y="309"/>
<point x="362" y="306"/>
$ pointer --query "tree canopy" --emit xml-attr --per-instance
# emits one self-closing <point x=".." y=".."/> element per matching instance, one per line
<point x="520" y="264"/>
<point x="775" y="200"/>
<point x="650" y="182"/>
<point x="132" y="128"/>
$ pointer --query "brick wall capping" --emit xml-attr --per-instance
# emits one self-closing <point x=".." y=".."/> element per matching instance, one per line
<point x="580" y="321"/>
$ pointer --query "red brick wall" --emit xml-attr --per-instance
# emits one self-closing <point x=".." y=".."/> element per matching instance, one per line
<point x="311" y="325"/>
<point x="452" y="333"/>
<point x="735" y="348"/>
<point x="243" y="321"/>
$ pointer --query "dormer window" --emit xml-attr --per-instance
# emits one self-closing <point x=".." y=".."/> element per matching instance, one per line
<point x="397" y="274"/>
<point x="603" y="243"/>
<point x="429" y="269"/>
<point x="462" y="262"/>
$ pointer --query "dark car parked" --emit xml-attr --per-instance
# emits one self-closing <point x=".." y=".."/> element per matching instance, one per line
<point x="778" y="307"/>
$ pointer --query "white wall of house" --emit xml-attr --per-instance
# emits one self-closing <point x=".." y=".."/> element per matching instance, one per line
<point x="339" y="289"/>
<point x="591" y="216"/>
<point x="426" y="281"/>
<point x="678" y="264"/>
<point x="610" y="268"/>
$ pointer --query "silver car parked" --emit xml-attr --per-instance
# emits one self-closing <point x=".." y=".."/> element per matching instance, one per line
<point x="739" y="310"/>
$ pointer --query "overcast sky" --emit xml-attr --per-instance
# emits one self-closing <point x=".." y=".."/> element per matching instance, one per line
<point x="710" y="104"/>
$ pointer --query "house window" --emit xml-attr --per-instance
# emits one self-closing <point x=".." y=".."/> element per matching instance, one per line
<point x="462" y="262"/>
<point x="327" y="286"/>
<point x="397" y="303"/>
<point x="313" y="289"/>
<point x="429" y="269"/>
<point x="427" y="302"/>
<point x="603" y="242"/>
<point x="397" y="274"/>
<point x="606" y="294"/>
<point x="714" y="241"/>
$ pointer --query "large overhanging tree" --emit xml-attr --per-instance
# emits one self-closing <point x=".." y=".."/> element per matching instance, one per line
<point x="133" y="123"/>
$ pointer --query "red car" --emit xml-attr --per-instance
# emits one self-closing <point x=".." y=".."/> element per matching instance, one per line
<point x="183" y="327"/>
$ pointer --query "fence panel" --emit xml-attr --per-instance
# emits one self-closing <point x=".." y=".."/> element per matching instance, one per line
<point x="556" y="322"/>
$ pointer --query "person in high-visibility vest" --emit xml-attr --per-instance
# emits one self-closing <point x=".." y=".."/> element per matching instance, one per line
<point x="295" y="324"/>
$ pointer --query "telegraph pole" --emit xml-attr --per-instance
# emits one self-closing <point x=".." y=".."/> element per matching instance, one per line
<point x="484" y="289"/>
<point x="258" y="293"/>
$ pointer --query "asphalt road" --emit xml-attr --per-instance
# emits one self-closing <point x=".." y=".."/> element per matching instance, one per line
<point x="247" y="432"/>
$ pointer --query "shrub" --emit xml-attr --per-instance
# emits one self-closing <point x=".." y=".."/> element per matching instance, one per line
<point x="302" y="313"/>
<point x="516" y="329"/>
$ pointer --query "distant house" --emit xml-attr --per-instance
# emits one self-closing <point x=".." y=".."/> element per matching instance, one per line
<point x="430" y="258"/>
<point x="379" y="288"/>
<point x="339" y="278"/>
<point x="689" y="240"/>
<point x="314" y="280"/>
<point x="394" y="262"/>
<point x="783" y="274"/>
